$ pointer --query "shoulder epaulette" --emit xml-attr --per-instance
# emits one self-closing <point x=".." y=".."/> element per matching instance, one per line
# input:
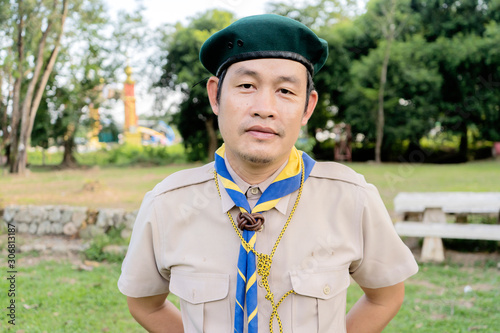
<point x="185" y="178"/>
<point x="337" y="171"/>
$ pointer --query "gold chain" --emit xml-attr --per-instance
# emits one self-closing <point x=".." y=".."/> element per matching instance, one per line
<point x="264" y="261"/>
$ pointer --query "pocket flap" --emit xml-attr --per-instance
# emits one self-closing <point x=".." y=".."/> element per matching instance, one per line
<point x="198" y="288"/>
<point x="322" y="285"/>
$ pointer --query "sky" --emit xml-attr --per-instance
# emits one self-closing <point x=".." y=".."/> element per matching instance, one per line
<point x="158" y="12"/>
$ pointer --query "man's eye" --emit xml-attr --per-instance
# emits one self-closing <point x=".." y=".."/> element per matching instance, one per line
<point x="285" y="91"/>
<point x="246" y="85"/>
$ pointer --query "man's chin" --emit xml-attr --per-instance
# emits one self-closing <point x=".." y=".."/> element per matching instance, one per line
<point x="259" y="159"/>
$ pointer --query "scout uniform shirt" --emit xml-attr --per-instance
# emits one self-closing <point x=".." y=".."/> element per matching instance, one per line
<point x="184" y="243"/>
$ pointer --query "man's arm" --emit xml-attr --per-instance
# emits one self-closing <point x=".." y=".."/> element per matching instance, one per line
<point x="156" y="314"/>
<point x="375" y="309"/>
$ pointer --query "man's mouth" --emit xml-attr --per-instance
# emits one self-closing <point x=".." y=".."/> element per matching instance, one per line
<point x="261" y="132"/>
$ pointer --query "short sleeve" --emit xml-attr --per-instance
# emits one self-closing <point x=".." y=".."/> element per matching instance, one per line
<point x="140" y="276"/>
<point x="386" y="259"/>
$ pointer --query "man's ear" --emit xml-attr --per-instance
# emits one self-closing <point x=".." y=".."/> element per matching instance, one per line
<point x="212" y="87"/>
<point x="313" y="100"/>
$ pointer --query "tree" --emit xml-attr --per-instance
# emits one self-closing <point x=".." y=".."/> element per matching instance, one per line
<point x="467" y="35"/>
<point x="60" y="58"/>
<point x="413" y="84"/>
<point x="332" y="20"/>
<point x="84" y="71"/>
<point x="183" y="72"/>
<point x="44" y="29"/>
<point x="42" y="129"/>
<point x="388" y="20"/>
<point x="6" y="72"/>
<point x="70" y="102"/>
<point x="389" y="32"/>
<point x="365" y="86"/>
<point x="316" y="14"/>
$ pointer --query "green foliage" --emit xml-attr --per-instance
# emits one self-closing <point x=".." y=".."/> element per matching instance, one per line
<point x="449" y="18"/>
<point x="442" y="68"/>
<point x="42" y="128"/>
<point x="90" y="53"/>
<point x="95" y="251"/>
<point x="123" y="155"/>
<point x="318" y="13"/>
<point x="412" y="90"/>
<point x="306" y="145"/>
<point x="109" y="130"/>
<point x="37" y="157"/>
<point x="470" y="92"/>
<point x="5" y="12"/>
<point x="73" y="99"/>
<point x="183" y="72"/>
<point x="132" y="155"/>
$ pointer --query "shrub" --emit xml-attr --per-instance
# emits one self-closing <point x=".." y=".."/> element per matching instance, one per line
<point x="95" y="251"/>
<point x="119" y="155"/>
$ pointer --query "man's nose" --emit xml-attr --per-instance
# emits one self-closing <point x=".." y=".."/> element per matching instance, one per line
<point x="264" y="104"/>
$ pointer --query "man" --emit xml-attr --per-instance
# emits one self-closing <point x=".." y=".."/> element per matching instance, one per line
<point x="264" y="239"/>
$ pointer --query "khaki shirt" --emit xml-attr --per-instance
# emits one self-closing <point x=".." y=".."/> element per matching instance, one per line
<point x="184" y="243"/>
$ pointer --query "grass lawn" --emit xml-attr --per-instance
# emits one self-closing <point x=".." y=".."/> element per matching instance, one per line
<point x="98" y="187"/>
<point x="124" y="187"/>
<point x="59" y="297"/>
<point x="390" y="179"/>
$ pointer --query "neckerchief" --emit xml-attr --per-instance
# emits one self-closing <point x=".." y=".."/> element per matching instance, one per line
<point x="286" y="182"/>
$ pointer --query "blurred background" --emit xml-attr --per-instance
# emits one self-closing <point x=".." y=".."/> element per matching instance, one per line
<point x="100" y="100"/>
<point x="406" y="81"/>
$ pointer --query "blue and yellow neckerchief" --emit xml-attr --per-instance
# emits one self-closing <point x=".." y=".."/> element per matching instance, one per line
<point x="288" y="181"/>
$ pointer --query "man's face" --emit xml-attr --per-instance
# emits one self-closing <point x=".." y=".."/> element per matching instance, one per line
<point x="261" y="109"/>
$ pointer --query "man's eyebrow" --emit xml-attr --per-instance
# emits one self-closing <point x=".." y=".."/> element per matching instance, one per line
<point x="291" y="79"/>
<point x="242" y="71"/>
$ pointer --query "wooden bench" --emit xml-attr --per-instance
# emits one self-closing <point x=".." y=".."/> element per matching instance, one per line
<point x="434" y="206"/>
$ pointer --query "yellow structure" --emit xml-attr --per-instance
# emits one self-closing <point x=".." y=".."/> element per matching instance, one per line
<point x="95" y="127"/>
<point x="131" y="134"/>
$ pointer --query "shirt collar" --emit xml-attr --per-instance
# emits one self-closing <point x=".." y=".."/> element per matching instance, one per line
<point x="227" y="202"/>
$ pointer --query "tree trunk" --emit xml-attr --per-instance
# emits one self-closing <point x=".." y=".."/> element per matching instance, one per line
<point x="5" y="119"/>
<point x="69" y="160"/>
<point x="31" y="104"/>
<point x="390" y="35"/>
<point x="380" y="111"/>
<point x="27" y="103"/>
<point x="7" y="154"/>
<point x="16" y="97"/>
<point x="28" y="98"/>
<point x="463" y="149"/>
<point x="212" y="138"/>
<point x="48" y="69"/>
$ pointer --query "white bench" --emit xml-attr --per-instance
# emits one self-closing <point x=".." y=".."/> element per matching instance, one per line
<point x="433" y="227"/>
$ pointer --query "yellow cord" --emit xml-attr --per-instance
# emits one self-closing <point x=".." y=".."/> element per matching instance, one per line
<point x="264" y="261"/>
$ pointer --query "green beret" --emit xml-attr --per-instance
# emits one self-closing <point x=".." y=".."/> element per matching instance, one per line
<point x="264" y="36"/>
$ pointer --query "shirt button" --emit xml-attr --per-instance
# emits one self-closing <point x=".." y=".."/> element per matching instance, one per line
<point x="254" y="190"/>
<point x="327" y="290"/>
<point x="261" y="284"/>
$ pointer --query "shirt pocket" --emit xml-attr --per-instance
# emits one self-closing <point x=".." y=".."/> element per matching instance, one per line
<point x="204" y="301"/>
<point x="319" y="304"/>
